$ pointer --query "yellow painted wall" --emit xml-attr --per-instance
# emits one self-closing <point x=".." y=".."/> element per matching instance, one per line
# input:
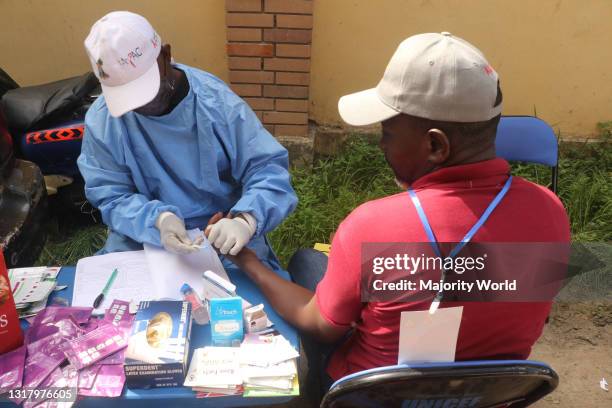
<point x="554" y="56"/>
<point x="42" y="40"/>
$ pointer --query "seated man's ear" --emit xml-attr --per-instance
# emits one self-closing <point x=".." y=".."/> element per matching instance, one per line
<point x="439" y="146"/>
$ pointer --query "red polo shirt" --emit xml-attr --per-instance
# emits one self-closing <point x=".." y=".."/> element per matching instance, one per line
<point x="453" y="198"/>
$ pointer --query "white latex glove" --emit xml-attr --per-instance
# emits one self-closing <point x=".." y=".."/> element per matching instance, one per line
<point x="230" y="235"/>
<point x="174" y="237"/>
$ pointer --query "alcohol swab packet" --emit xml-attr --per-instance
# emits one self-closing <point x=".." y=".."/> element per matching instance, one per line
<point x="94" y="346"/>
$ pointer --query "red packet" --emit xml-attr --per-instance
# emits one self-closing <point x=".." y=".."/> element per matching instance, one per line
<point x="11" y="335"/>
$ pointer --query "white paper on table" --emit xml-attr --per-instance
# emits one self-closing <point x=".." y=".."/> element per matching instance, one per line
<point x="286" y="369"/>
<point x="274" y="350"/>
<point x="132" y="284"/>
<point x="170" y="271"/>
<point x="214" y="367"/>
<point x="426" y="337"/>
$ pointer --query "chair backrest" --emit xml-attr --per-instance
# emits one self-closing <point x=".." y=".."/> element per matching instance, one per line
<point x="473" y="384"/>
<point x="530" y="140"/>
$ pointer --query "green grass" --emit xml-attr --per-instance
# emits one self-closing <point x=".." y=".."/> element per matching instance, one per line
<point x="332" y="188"/>
<point x="68" y="244"/>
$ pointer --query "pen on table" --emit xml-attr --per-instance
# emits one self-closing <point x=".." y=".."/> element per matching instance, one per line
<point x="104" y="292"/>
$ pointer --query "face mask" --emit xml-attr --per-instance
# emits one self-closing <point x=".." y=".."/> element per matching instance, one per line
<point x="159" y="105"/>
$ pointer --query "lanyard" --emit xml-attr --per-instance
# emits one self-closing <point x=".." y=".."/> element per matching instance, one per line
<point x="434" y="242"/>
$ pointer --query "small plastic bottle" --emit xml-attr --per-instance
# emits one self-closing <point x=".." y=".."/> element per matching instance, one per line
<point x="199" y="313"/>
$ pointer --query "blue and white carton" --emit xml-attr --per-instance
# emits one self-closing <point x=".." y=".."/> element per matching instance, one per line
<point x="226" y="325"/>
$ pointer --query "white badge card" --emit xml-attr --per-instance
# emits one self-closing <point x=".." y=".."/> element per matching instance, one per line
<point x="426" y="337"/>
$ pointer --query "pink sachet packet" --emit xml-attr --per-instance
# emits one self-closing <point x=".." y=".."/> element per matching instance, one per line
<point x="87" y="376"/>
<point x="38" y="367"/>
<point x="45" y="322"/>
<point x="11" y="369"/>
<point x="61" y="378"/>
<point x="91" y="325"/>
<point x="67" y="329"/>
<point x="118" y="314"/>
<point x="109" y="382"/>
<point x="94" y="346"/>
<point x="55" y="377"/>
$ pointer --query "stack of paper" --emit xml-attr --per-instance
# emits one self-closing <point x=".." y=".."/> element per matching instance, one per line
<point x="31" y="287"/>
<point x="215" y="370"/>
<point x="132" y="283"/>
<point x="268" y="366"/>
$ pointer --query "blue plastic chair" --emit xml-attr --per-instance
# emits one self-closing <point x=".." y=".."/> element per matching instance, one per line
<point x="530" y="140"/>
<point x="473" y="384"/>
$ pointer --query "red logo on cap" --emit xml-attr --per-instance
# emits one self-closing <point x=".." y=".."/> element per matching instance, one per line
<point x="488" y="70"/>
<point x="155" y="40"/>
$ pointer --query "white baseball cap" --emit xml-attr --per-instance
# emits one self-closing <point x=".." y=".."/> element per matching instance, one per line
<point x="123" y="49"/>
<point x="435" y="76"/>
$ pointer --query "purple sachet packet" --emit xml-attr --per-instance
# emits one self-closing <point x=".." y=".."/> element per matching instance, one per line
<point x="94" y="346"/>
<point x="91" y="325"/>
<point x="37" y="367"/>
<point x="109" y="382"/>
<point x="87" y="376"/>
<point x="56" y="377"/>
<point x="115" y="358"/>
<point x="71" y="374"/>
<point x="61" y="378"/>
<point x="125" y="326"/>
<point x="45" y="322"/>
<point x="11" y="369"/>
<point x="118" y="312"/>
<point x="50" y="345"/>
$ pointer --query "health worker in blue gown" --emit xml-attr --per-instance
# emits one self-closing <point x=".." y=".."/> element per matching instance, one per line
<point x="167" y="146"/>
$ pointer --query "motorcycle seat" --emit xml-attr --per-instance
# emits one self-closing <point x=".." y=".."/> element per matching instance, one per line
<point x="35" y="107"/>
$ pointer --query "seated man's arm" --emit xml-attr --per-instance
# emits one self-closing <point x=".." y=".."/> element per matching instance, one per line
<point x="295" y="304"/>
<point x="327" y="314"/>
<point x="110" y="188"/>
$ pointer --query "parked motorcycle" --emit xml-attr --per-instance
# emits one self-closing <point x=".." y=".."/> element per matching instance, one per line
<point x="46" y="122"/>
<point x="41" y="129"/>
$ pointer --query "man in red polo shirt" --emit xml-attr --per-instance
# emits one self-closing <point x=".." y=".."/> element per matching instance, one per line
<point x="439" y="102"/>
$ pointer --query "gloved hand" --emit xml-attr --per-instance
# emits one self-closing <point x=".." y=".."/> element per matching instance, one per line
<point x="174" y="237"/>
<point x="230" y="235"/>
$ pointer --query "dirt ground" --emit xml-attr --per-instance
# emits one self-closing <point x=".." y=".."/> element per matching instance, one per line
<point x="577" y="343"/>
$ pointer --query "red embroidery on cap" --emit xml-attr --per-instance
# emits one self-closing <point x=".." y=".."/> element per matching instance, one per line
<point x="488" y="70"/>
<point x="155" y="40"/>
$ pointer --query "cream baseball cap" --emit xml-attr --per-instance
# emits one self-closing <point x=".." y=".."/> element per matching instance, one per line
<point x="435" y="76"/>
<point x="123" y="49"/>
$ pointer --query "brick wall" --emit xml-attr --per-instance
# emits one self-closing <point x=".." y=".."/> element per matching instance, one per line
<point x="268" y="48"/>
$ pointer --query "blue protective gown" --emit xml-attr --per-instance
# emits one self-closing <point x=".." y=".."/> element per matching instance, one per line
<point x="209" y="154"/>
